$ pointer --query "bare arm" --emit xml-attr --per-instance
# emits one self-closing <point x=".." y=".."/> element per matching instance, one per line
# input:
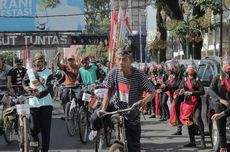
<point x="57" y="60"/>
<point x="106" y="99"/>
<point x="149" y="97"/>
<point x="9" y="83"/>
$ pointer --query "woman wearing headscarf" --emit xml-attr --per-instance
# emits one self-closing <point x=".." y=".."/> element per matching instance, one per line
<point x="219" y="91"/>
<point x="169" y="87"/>
<point x="191" y="89"/>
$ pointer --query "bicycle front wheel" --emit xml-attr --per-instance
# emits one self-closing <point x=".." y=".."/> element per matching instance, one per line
<point x="25" y="135"/>
<point x="83" y="124"/>
<point x="71" y="119"/>
<point x="116" y="148"/>
<point x="99" y="141"/>
<point x="7" y="133"/>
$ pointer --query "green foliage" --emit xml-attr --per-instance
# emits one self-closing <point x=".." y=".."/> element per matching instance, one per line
<point x="97" y="16"/>
<point x="48" y="3"/>
<point x="9" y="57"/>
<point x="215" y="5"/>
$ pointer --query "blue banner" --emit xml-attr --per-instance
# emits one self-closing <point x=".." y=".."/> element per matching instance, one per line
<point x="41" y="15"/>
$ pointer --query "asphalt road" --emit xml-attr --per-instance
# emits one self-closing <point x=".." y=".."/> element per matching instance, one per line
<point x="156" y="137"/>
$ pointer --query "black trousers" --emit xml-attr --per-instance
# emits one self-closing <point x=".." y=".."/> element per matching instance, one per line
<point x="41" y="122"/>
<point x="221" y="125"/>
<point x="133" y="131"/>
<point x="165" y="107"/>
<point x="199" y="122"/>
<point x="178" y="102"/>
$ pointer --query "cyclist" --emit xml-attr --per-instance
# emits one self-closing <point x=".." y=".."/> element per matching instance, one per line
<point x="130" y="83"/>
<point x="89" y="73"/>
<point x="71" y="72"/>
<point x="37" y="81"/>
<point x="17" y="74"/>
<point x="219" y="91"/>
<point x="5" y="78"/>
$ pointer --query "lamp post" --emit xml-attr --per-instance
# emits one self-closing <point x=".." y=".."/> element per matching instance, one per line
<point x="221" y="27"/>
<point x="186" y="14"/>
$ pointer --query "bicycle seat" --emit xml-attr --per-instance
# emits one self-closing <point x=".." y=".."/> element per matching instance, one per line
<point x="115" y="119"/>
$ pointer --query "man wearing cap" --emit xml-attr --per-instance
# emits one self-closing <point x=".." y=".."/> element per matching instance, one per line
<point x="71" y="74"/>
<point x="17" y="74"/>
<point x="88" y="73"/>
<point x="219" y="91"/>
<point x="37" y="82"/>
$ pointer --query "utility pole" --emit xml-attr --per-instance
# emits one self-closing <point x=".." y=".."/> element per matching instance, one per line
<point x="140" y="33"/>
<point x="221" y="27"/>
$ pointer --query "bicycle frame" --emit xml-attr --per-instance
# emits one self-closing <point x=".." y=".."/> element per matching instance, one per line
<point x="23" y="111"/>
<point x="118" y="120"/>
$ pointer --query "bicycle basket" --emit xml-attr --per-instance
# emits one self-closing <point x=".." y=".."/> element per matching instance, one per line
<point x="9" y="116"/>
<point x="86" y="97"/>
<point x="23" y="108"/>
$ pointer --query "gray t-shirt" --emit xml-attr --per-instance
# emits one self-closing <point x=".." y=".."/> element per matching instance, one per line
<point x="3" y="77"/>
<point x="130" y="90"/>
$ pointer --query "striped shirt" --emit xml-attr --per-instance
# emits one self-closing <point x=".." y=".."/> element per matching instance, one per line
<point x="130" y="89"/>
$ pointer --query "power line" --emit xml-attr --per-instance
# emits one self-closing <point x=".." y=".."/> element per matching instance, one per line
<point x="78" y="14"/>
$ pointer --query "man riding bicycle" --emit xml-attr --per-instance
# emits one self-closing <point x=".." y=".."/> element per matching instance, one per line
<point x="125" y="86"/>
<point x="71" y="73"/>
<point x="89" y="73"/>
<point x="17" y="74"/>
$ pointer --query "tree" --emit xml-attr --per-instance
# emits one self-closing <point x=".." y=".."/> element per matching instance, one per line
<point x="175" y="12"/>
<point x="48" y="3"/>
<point x="97" y="16"/>
<point x="9" y="57"/>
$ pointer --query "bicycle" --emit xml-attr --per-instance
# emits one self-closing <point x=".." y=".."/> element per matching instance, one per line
<point x="23" y="111"/>
<point x="117" y="120"/>
<point x="8" y="118"/>
<point x="72" y="113"/>
<point x="15" y="120"/>
<point x="105" y="133"/>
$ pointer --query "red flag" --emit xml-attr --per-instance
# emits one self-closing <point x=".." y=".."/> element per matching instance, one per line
<point x="112" y="36"/>
<point x="27" y="55"/>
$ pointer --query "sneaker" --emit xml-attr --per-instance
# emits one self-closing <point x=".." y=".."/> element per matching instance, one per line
<point x="177" y="133"/>
<point x="34" y="144"/>
<point x="62" y="118"/>
<point x="164" y="119"/>
<point x="152" y="116"/>
<point x="92" y="135"/>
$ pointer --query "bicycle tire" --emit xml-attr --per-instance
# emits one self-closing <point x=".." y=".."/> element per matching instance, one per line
<point x="98" y="143"/>
<point x="108" y="136"/>
<point x="7" y="132"/>
<point x="71" y="119"/>
<point x="116" y="147"/>
<point x="25" y="134"/>
<point x="55" y="90"/>
<point x="83" y="124"/>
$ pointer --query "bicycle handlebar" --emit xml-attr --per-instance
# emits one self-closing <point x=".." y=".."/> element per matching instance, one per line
<point x="134" y="106"/>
